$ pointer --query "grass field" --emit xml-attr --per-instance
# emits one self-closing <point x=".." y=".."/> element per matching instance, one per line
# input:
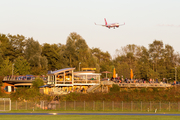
<point x="85" y="117"/>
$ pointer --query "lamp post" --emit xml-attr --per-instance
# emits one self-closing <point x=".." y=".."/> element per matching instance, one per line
<point x="79" y="65"/>
<point x="175" y="74"/>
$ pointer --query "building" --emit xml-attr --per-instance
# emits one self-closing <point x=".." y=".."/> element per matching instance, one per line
<point x="11" y="83"/>
<point x="65" y="80"/>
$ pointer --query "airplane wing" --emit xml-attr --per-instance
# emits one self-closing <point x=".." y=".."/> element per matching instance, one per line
<point x="100" y="24"/>
<point x="121" y="24"/>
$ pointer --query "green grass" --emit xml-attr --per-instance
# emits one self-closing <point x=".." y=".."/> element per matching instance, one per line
<point x="85" y="117"/>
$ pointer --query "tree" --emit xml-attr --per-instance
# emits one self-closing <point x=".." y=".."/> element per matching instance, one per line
<point x="33" y="55"/>
<point x="78" y="51"/>
<point x="6" y="67"/>
<point x="143" y="63"/>
<point x="6" y="47"/>
<point x="1" y="54"/>
<point x="156" y="54"/>
<point x="18" y="44"/>
<point x="70" y="52"/>
<point x="51" y="53"/>
<point x="21" y="66"/>
<point x="37" y="83"/>
<point x="127" y="58"/>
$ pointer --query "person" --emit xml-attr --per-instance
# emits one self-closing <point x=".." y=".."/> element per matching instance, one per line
<point x="156" y="80"/>
<point x="112" y="79"/>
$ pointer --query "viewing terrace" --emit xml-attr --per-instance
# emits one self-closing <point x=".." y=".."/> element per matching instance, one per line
<point x="143" y="85"/>
<point x="22" y="80"/>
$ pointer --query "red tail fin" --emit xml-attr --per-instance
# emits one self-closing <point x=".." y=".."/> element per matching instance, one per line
<point x="105" y="21"/>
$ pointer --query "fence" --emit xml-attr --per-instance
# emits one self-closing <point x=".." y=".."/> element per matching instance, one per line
<point x="5" y="104"/>
<point x="98" y="106"/>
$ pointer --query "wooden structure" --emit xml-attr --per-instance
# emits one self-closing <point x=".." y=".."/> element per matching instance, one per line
<point x="66" y="80"/>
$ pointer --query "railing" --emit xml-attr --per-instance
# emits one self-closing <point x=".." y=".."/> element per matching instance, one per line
<point x="143" y="84"/>
<point x="86" y="81"/>
<point x="64" y="82"/>
<point x="21" y="77"/>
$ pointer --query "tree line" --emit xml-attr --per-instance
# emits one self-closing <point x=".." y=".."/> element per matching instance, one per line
<point x="20" y="56"/>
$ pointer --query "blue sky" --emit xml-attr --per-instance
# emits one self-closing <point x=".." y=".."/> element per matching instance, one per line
<point x="51" y="21"/>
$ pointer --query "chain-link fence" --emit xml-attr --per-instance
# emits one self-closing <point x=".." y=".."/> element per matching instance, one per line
<point x="97" y="106"/>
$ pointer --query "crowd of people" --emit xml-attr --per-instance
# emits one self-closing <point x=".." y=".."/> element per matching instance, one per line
<point x="126" y="80"/>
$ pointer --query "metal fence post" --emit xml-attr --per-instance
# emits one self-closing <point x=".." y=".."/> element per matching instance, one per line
<point x="35" y="106"/>
<point x="55" y="106"/>
<point x="59" y="104"/>
<point x="84" y="106"/>
<point x="93" y="105"/>
<point x="43" y="105"/>
<point x="4" y="104"/>
<point x="131" y="106"/>
<point x="10" y="105"/>
<point x="103" y="105"/>
<point x="65" y="104"/>
<point x="26" y="105"/>
<point x="112" y="105"/>
<point x="122" y="105"/>
<point x="16" y="104"/>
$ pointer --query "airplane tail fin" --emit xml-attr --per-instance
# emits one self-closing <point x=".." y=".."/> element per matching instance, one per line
<point x="105" y="21"/>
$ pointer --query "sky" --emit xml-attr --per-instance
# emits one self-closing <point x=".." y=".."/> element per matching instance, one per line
<point x="51" y="21"/>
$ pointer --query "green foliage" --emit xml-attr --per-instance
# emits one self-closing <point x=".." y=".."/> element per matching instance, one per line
<point x="158" y="61"/>
<point x="23" y="93"/>
<point x="18" y="44"/>
<point x="103" y="61"/>
<point x="33" y="55"/>
<point x="115" y="88"/>
<point x="37" y="83"/>
<point x="6" y="67"/>
<point x="155" y="90"/>
<point x="51" y="52"/>
<point x="136" y="90"/>
<point x="143" y="90"/>
<point x="21" y="66"/>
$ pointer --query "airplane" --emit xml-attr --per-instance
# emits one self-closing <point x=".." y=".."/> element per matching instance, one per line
<point x="112" y="25"/>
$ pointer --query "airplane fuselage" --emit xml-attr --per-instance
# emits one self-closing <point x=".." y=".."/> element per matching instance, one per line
<point x="113" y="25"/>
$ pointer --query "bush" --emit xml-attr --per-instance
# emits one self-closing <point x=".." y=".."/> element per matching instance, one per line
<point x="155" y="90"/>
<point x="115" y="88"/>
<point x="143" y="90"/>
<point x="136" y="90"/>
<point x="37" y="83"/>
